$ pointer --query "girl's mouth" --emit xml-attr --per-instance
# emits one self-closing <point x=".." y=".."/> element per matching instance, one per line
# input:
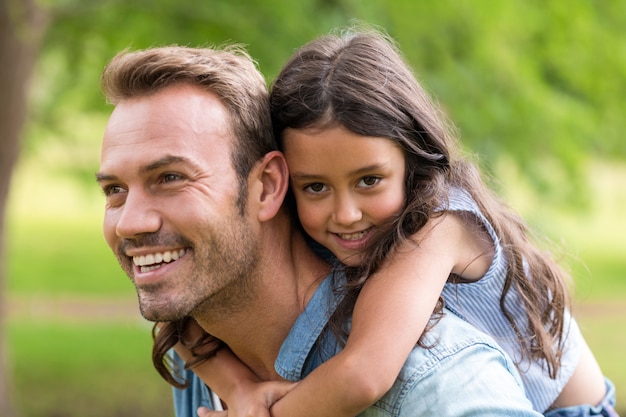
<point x="353" y="236"/>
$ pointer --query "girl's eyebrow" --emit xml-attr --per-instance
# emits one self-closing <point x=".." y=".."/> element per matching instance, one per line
<point x="369" y="168"/>
<point x="303" y="176"/>
<point x="359" y="171"/>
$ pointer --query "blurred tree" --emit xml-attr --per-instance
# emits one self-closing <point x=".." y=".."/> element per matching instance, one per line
<point x="21" y="24"/>
<point x="541" y="82"/>
<point x="85" y="34"/>
<point x="537" y="82"/>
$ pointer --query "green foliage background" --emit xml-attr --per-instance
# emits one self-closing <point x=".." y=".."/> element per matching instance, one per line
<point x="535" y="88"/>
<point x="541" y="81"/>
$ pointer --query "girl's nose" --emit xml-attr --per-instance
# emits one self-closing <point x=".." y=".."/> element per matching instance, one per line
<point x="346" y="212"/>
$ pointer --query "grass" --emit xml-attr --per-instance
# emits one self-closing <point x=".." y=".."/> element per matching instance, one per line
<point x="58" y="257"/>
<point x="54" y="239"/>
<point x="98" y="368"/>
<point x="78" y="370"/>
<point x="607" y="340"/>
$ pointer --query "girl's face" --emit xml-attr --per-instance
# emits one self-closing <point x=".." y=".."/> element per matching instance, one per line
<point x="345" y="185"/>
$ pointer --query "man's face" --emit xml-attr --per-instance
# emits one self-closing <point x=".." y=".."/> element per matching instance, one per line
<point x="171" y="192"/>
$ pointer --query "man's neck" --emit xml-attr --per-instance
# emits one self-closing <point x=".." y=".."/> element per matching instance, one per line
<point x="286" y="278"/>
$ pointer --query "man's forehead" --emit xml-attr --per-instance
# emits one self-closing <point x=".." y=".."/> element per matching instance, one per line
<point x="172" y="109"/>
<point x="139" y="152"/>
<point x="184" y="120"/>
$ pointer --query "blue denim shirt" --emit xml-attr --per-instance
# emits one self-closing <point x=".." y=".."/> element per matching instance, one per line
<point x="464" y="373"/>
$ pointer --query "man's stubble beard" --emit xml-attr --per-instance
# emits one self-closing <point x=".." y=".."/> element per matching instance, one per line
<point x="238" y="276"/>
<point x="222" y="281"/>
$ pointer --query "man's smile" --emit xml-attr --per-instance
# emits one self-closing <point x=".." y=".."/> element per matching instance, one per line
<point x="152" y="261"/>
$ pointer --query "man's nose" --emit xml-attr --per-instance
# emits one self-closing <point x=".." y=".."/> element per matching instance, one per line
<point x="347" y="211"/>
<point x="139" y="215"/>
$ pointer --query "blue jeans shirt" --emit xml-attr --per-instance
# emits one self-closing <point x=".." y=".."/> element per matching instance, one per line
<point x="464" y="373"/>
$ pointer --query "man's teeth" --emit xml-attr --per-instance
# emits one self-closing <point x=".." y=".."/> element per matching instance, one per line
<point x="353" y="236"/>
<point x="157" y="258"/>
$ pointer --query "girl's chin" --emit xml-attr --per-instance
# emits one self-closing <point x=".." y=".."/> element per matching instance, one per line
<point x="351" y="260"/>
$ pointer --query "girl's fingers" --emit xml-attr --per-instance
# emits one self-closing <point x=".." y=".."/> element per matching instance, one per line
<point x="206" y="412"/>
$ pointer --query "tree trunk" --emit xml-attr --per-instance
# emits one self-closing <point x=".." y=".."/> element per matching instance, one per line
<point x="21" y="27"/>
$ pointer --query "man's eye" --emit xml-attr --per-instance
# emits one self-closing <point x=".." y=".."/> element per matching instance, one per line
<point x="368" y="182"/>
<point x="171" y="177"/>
<point x="112" y="190"/>
<point x="317" y="187"/>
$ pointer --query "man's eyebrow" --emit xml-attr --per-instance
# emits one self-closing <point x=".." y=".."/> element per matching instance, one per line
<point x="163" y="162"/>
<point x="100" y="177"/>
<point x="159" y="163"/>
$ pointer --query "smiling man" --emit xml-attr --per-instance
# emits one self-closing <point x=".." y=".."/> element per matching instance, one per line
<point x="194" y="213"/>
<point x="167" y="214"/>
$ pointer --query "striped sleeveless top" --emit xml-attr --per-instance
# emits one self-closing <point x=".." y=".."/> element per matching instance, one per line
<point x="479" y="304"/>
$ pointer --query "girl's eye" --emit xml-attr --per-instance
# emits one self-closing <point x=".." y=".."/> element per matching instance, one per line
<point x="314" y="188"/>
<point x="368" y="182"/>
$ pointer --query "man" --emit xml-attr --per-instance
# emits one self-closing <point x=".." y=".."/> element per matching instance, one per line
<point x="194" y="212"/>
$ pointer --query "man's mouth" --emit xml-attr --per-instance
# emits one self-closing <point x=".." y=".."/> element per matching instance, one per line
<point x="152" y="261"/>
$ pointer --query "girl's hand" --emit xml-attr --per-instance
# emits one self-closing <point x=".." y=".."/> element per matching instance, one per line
<point x="206" y="412"/>
<point x="194" y="342"/>
<point x="254" y="400"/>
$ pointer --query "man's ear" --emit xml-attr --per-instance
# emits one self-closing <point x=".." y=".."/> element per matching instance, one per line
<point x="273" y="178"/>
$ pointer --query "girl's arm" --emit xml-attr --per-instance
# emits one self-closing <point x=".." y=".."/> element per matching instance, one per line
<point x="390" y="315"/>
<point x="234" y="383"/>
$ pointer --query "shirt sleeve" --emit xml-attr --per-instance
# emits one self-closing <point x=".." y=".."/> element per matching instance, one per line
<point x="474" y="381"/>
<point x="463" y="373"/>
<point x="187" y="401"/>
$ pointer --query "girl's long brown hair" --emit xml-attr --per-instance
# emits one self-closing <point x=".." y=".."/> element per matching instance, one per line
<point x="359" y="80"/>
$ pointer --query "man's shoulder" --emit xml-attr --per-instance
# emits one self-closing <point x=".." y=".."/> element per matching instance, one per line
<point x="449" y="337"/>
<point x="454" y="372"/>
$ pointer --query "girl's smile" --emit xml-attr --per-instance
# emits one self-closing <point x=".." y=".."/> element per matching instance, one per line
<point x="345" y="185"/>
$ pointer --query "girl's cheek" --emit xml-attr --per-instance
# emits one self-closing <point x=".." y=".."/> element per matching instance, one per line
<point x="310" y="219"/>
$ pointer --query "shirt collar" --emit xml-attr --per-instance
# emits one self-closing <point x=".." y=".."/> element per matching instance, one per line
<point x="307" y="329"/>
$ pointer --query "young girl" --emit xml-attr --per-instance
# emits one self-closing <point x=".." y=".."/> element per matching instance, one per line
<point x="379" y="180"/>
